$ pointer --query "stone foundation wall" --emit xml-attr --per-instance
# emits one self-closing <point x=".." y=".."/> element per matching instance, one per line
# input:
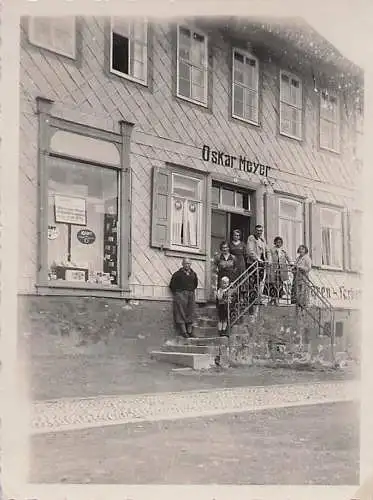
<point x="96" y="319"/>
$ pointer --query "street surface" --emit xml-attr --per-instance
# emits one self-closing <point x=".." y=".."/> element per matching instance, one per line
<point x="302" y="445"/>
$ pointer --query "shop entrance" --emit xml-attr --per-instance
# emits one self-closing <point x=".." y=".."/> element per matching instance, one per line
<point x="231" y="209"/>
<point x="222" y="226"/>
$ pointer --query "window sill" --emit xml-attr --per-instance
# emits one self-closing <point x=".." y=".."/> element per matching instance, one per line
<point x="331" y="268"/>
<point x="193" y="101"/>
<point x="244" y="120"/>
<point x="124" y="76"/>
<point x="185" y="253"/>
<point x="330" y="150"/>
<point x="71" y="57"/>
<point x="66" y="288"/>
<point x="289" y="136"/>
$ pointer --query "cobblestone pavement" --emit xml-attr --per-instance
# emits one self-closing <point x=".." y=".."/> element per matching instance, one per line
<point x="80" y="413"/>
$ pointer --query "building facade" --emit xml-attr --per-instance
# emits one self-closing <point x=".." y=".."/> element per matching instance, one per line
<point x="142" y="143"/>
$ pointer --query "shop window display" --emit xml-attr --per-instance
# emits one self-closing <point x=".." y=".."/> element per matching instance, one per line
<point x="83" y="242"/>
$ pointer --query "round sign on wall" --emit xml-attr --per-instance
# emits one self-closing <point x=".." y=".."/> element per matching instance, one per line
<point x="86" y="236"/>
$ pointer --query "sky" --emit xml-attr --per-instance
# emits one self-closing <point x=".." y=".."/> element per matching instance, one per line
<point x="347" y="24"/>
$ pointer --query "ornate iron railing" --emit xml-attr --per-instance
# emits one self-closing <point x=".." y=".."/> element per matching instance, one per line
<point x="281" y="285"/>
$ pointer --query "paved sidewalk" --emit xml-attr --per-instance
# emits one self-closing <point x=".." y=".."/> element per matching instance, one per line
<point x="81" y="413"/>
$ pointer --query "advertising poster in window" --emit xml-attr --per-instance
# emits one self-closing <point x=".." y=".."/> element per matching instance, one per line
<point x="70" y="210"/>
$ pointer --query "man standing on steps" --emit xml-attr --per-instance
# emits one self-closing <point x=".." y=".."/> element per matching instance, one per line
<point x="183" y="285"/>
<point x="258" y="251"/>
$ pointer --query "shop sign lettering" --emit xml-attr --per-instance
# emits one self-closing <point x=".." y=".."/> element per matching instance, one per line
<point x="340" y="293"/>
<point x="86" y="236"/>
<point x="237" y="162"/>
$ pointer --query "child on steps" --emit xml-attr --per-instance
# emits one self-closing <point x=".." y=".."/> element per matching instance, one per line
<point x="222" y="306"/>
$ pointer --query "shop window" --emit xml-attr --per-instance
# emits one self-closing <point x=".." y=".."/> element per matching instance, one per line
<point x="192" y="65"/>
<point x="179" y="210"/>
<point x="129" y="49"/>
<point x="83" y="239"/>
<point x="329" y="122"/>
<point x="291" y="225"/>
<point x="245" y="87"/>
<point x="57" y="34"/>
<point x="290" y="105"/>
<point x="331" y="237"/>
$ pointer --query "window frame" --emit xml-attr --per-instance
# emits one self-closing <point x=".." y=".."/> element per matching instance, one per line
<point x="340" y="211"/>
<point x="126" y="76"/>
<point x="233" y="208"/>
<point x="121" y="141"/>
<point x="201" y="215"/>
<point x="32" y="37"/>
<point x="302" y="219"/>
<point x="291" y="76"/>
<point x="193" y="30"/>
<point x="337" y="123"/>
<point x="249" y="55"/>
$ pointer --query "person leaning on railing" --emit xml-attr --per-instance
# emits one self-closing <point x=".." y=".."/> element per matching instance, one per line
<point x="258" y="251"/>
<point x="301" y="269"/>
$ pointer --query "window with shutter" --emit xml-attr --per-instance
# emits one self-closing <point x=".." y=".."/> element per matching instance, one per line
<point x="178" y="210"/>
<point x="291" y="225"/>
<point x="192" y="65"/>
<point x="291" y="105"/>
<point x="329" y="122"/>
<point x="245" y="87"/>
<point x="331" y="237"/>
<point x="57" y="34"/>
<point x="161" y="208"/>
<point x="129" y="49"/>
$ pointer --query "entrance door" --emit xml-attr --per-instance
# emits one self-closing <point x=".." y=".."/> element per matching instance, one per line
<point x="219" y="229"/>
<point x="242" y="222"/>
<point x="222" y="226"/>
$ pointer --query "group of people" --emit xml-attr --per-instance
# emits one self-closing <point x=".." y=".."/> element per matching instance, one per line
<point x="274" y="270"/>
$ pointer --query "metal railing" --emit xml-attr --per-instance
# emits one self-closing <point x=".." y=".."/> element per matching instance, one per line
<point x="281" y="285"/>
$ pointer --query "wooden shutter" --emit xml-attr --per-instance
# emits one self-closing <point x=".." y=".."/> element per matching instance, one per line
<point x="271" y="215"/>
<point x="161" y="206"/>
<point x="355" y="240"/>
<point x="315" y="234"/>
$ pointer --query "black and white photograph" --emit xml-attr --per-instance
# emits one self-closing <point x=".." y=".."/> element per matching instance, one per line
<point x="189" y="272"/>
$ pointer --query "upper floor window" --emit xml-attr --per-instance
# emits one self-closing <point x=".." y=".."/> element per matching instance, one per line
<point x="291" y="225"/>
<point x="290" y="105"/>
<point x="245" y="87"/>
<point x="129" y="49"/>
<point x="331" y="237"/>
<point x="329" y="122"/>
<point x="192" y="64"/>
<point x="57" y="34"/>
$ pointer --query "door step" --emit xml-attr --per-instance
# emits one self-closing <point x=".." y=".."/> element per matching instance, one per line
<point x="186" y="359"/>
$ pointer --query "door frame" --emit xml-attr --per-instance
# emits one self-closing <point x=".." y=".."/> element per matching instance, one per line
<point x="234" y="183"/>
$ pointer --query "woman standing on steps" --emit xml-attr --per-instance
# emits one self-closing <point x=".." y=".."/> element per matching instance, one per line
<point x="301" y="270"/>
<point x="278" y="271"/>
<point x="225" y="264"/>
<point x="238" y="249"/>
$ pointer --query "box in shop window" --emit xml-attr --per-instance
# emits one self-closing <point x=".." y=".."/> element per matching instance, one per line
<point x="75" y="274"/>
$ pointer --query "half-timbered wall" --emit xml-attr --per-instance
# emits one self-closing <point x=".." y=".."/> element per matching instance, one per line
<point x="167" y="129"/>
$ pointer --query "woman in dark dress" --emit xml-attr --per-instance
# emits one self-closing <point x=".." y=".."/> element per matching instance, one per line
<point x="238" y="249"/>
<point x="225" y="264"/>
